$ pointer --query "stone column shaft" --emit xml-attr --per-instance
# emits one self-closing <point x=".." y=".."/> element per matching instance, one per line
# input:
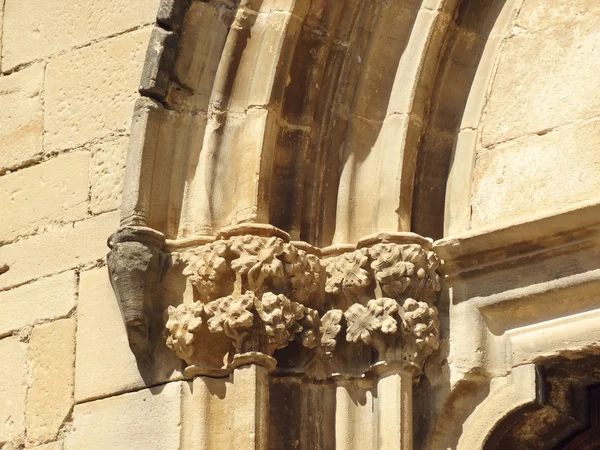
<point x="394" y="411"/>
<point x="354" y="426"/>
<point x="251" y="408"/>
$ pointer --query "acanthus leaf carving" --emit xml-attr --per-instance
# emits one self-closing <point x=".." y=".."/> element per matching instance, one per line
<point x="280" y="317"/>
<point x="391" y="270"/>
<point x="257" y="259"/>
<point x="347" y="272"/>
<point x="310" y="328"/>
<point x="274" y="296"/>
<point x="324" y="332"/>
<point x="232" y="316"/>
<point x="304" y="272"/>
<point x="182" y="324"/>
<point x="420" y="328"/>
<point x="206" y="267"/>
<point x="364" y="322"/>
<point x="329" y="329"/>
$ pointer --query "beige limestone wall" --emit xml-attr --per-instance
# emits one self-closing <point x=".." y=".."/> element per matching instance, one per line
<point x="537" y="150"/>
<point x="68" y="82"/>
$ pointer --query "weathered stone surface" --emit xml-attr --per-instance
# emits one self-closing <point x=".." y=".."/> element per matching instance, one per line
<point x="171" y="13"/>
<point x="202" y="399"/>
<point x="143" y="143"/>
<point x="54" y="191"/>
<point x="546" y="71"/>
<point x="13" y="388"/>
<point x="102" y="82"/>
<point x="50" y="397"/>
<point x="56" y="250"/>
<point x="51" y="446"/>
<point x="21" y="125"/>
<point x="148" y="419"/>
<point x="107" y="171"/>
<point x="48" y="298"/>
<point x="105" y="365"/>
<point x="158" y="64"/>
<point x="534" y="174"/>
<point x="198" y="60"/>
<point x="510" y="296"/>
<point x="32" y="31"/>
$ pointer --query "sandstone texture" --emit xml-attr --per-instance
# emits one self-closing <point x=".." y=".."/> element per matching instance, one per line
<point x="30" y="36"/>
<point x="13" y="389"/>
<point x="539" y="124"/>
<point x="107" y="170"/>
<point x="48" y="298"/>
<point x="299" y="224"/>
<point x="50" y="397"/>
<point x="53" y="192"/>
<point x="145" y="419"/>
<point x="105" y="365"/>
<point x="101" y="80"/>
<point x="21" y="125"/>
<point x="57" y="250"/>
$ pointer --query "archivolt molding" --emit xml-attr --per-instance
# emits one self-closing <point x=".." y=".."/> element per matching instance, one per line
<point x="517" y="390"/>
<point x="261" y="292"/>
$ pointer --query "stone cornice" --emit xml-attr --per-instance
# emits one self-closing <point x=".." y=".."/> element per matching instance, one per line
<point x="538" y="268"/>
<point x="493" y="249"/>
<point x="256" y="292"/>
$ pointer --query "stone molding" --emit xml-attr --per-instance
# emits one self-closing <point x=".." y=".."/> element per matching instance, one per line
<point x="260" y="291"/>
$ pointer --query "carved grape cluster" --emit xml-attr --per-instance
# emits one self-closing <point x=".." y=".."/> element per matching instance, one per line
<point x="262" y="324"/>
<point x="259" y="262"/>
<point x="394" y="267"/>
<point x="184" y="321"/>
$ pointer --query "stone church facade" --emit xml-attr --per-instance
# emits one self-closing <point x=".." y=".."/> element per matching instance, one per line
<point x="300" y="224"/>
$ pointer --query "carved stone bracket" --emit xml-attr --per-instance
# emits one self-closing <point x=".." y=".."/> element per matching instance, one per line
<point x="258" y="292"/>
<point x="136" y="265"/>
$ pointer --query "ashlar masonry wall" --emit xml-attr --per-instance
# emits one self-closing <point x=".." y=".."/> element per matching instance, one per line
<point x="68" y="82"/>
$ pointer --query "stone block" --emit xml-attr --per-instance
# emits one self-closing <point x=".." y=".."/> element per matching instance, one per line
<point x="206" y="407"/>
<point x="38" y="28"/>
<point x="102" y="82"/>
<point x="535" y="175"/>
<point x="555" y="14"/>
<point x="48" y="298"/>
<point x="21" y="119"/>
<point x="107" y="171"/>
<point x="56" y="250"/>
<point x="50" y="397"/>
<point x="140" y="162"/>
<point x="52" y="192"/>
<point x="545" y="77"/>
<point x="147" y="419"/>
<point x="13" y="389"/>
<point x="172" y="12"/>
<point x="105" y="364"/>
<point x="158" y="64"/>
<point x="264" y="60"/>
<point x="198" y="59"/>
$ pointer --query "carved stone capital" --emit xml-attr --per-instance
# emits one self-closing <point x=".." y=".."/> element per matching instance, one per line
<point x="257" y="293"/>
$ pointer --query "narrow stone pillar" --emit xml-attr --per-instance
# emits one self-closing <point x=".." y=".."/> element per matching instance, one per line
<point x="196" y="416"/>
<point x="251" y="407"/>
<point x="354" y="426"/>
<point x="393" y="391"/>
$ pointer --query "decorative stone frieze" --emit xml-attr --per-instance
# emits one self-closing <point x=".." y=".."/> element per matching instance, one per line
<point x="255" y="292"/>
